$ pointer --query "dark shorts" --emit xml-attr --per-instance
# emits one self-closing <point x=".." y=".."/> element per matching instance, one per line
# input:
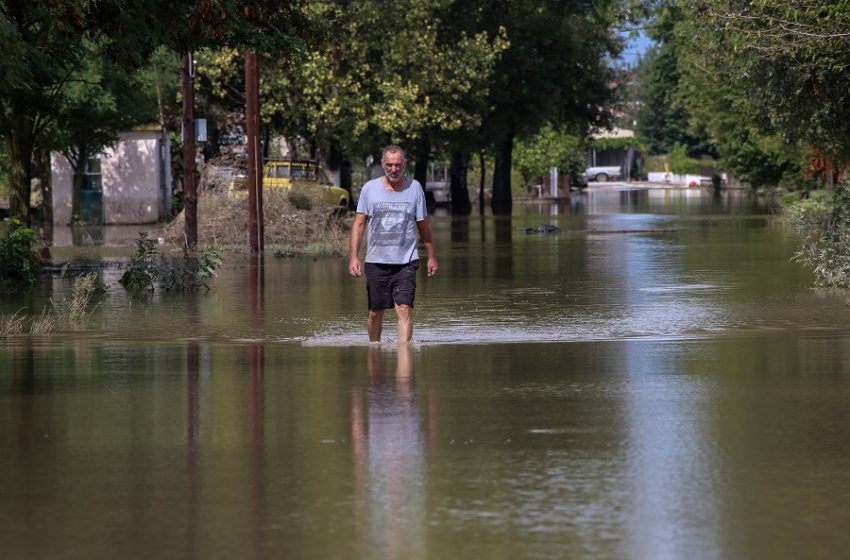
<point x="389" y="285"/>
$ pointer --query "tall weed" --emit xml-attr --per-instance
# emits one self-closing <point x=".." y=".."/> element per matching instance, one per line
<point x="17" y="324"/>
<point x="86" y="288"/>
<point x="11" y="324"/>
<point x="44" y="323"/>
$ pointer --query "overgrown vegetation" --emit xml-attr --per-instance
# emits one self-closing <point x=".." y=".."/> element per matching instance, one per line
<point x="322" y="227"/>
<point x="680" y="162"/>
<point x="825" y="227"/>
<point x="533" y="157"/>
<point x="142" y="272"/>
<point x="11" y="325"/>
<point x="193" y="273"/>
<point x="149" y="269"/>
<point x="19" y="264"/>
<point x="86" y="288"/>
<point x="18" y="324"/>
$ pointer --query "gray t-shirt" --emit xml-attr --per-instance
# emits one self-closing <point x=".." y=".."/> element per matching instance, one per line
<point x="392" y="217"/>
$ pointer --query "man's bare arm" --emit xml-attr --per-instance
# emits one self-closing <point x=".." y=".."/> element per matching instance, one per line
<point x="424" y="227"/>
<point x="358" y="229"/>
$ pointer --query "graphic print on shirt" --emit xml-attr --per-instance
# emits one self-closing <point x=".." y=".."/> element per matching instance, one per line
<point x="390" y="223"/>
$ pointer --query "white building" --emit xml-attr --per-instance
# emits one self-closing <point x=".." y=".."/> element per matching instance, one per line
<point x="129" y="183"/>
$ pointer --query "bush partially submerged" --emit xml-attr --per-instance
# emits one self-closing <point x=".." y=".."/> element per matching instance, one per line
<point x="825" y="228"/>
<point x="19" y="264"/>
<point x="149" y="269"/>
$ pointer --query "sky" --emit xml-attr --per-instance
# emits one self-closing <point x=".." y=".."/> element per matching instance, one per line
<point x="635" y="49"/>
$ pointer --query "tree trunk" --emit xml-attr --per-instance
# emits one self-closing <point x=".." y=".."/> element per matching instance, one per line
<point x="502" y="204"/>
<point x="459" y="188"/>
<point x="20" y="153"/>
<point x="346" y="180"/>
<point x="339" y="162"/>
<point x="420" y="169"/>
<point x="46" y="181"/>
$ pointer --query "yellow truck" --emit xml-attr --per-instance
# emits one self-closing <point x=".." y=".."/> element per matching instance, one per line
<point x="294" y="175"/>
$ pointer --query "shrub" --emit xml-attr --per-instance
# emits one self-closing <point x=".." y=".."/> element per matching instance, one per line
<point x="143" y="271"/>
<point x="19" y="264"/>
<point x="825" y="229"/>
<point x="193" y="273"/>
<point x="681" y="164"/>
<point x="148" y="269"/>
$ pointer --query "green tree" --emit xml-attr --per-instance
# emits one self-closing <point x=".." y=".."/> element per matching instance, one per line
<point x="750" y="143"/>
<point x="43" y="47"/>
<point x="664" y="119"/>
<point x="793" y="57"/>
<point x="555" y="71"/>
<point x="355" y="91"/>
<point x="46" y="44"/>
<point x="550" y="147"/>
<point x="425" y="84"/>
<point x="100" y="100"/>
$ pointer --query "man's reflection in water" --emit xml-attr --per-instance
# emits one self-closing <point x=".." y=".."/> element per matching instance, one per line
<point x="388" y="441"/>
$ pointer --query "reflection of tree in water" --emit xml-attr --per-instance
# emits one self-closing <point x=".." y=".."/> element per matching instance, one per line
<point x="389" y="456"/>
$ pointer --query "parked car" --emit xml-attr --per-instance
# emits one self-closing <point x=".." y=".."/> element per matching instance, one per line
<point x="441" y="191"/>
<point x="289" y="175"/>
<point x="602" y="174"/>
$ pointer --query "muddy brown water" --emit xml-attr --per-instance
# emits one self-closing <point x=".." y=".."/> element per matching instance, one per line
<point x="656" y="380"/>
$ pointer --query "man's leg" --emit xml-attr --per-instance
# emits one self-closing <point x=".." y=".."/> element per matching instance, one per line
<point x="375" y="324"/>
<point x="404" y="314"/>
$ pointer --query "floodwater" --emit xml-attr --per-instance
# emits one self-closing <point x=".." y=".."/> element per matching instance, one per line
<point x="656" y="380"/>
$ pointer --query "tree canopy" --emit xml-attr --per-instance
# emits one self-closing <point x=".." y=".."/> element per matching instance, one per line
<point x="765" y="81"/>
<point x="440" y="76"/>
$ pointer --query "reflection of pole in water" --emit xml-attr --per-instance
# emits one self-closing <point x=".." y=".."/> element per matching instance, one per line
<point x="192" y="431"/>
<point x="256" y="288"/>
<point x="258" y="502"/>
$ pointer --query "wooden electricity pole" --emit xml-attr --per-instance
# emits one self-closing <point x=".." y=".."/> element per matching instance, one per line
<point x="190" y="194"/>
<point x="255" y="153"/>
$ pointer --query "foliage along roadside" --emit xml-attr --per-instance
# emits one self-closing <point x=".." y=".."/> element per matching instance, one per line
<point x="19" y="264"/>
<point x="148" y="269"/>
<point x="824" y="226"/>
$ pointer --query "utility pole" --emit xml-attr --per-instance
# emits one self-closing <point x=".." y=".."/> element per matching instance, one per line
<point x="255" y="156"/>
<point x="190" y="193"/>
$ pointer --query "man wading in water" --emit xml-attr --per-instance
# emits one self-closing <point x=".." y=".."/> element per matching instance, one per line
<point x="393" y="207"/>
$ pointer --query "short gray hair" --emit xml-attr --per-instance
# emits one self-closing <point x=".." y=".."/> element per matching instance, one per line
<point x="393" y="148"/>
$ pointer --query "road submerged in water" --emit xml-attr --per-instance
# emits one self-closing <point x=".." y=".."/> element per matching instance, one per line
<point x="671" y="387"/>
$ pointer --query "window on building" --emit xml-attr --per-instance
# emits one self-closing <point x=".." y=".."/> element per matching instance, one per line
<point x="93" y="177"/>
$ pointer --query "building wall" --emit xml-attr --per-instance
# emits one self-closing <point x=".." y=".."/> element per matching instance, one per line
<point x="136" y="181"/>
<point x="62" y="178"/>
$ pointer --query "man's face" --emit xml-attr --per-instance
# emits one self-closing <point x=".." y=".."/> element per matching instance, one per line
<point x="393" y="164"/>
